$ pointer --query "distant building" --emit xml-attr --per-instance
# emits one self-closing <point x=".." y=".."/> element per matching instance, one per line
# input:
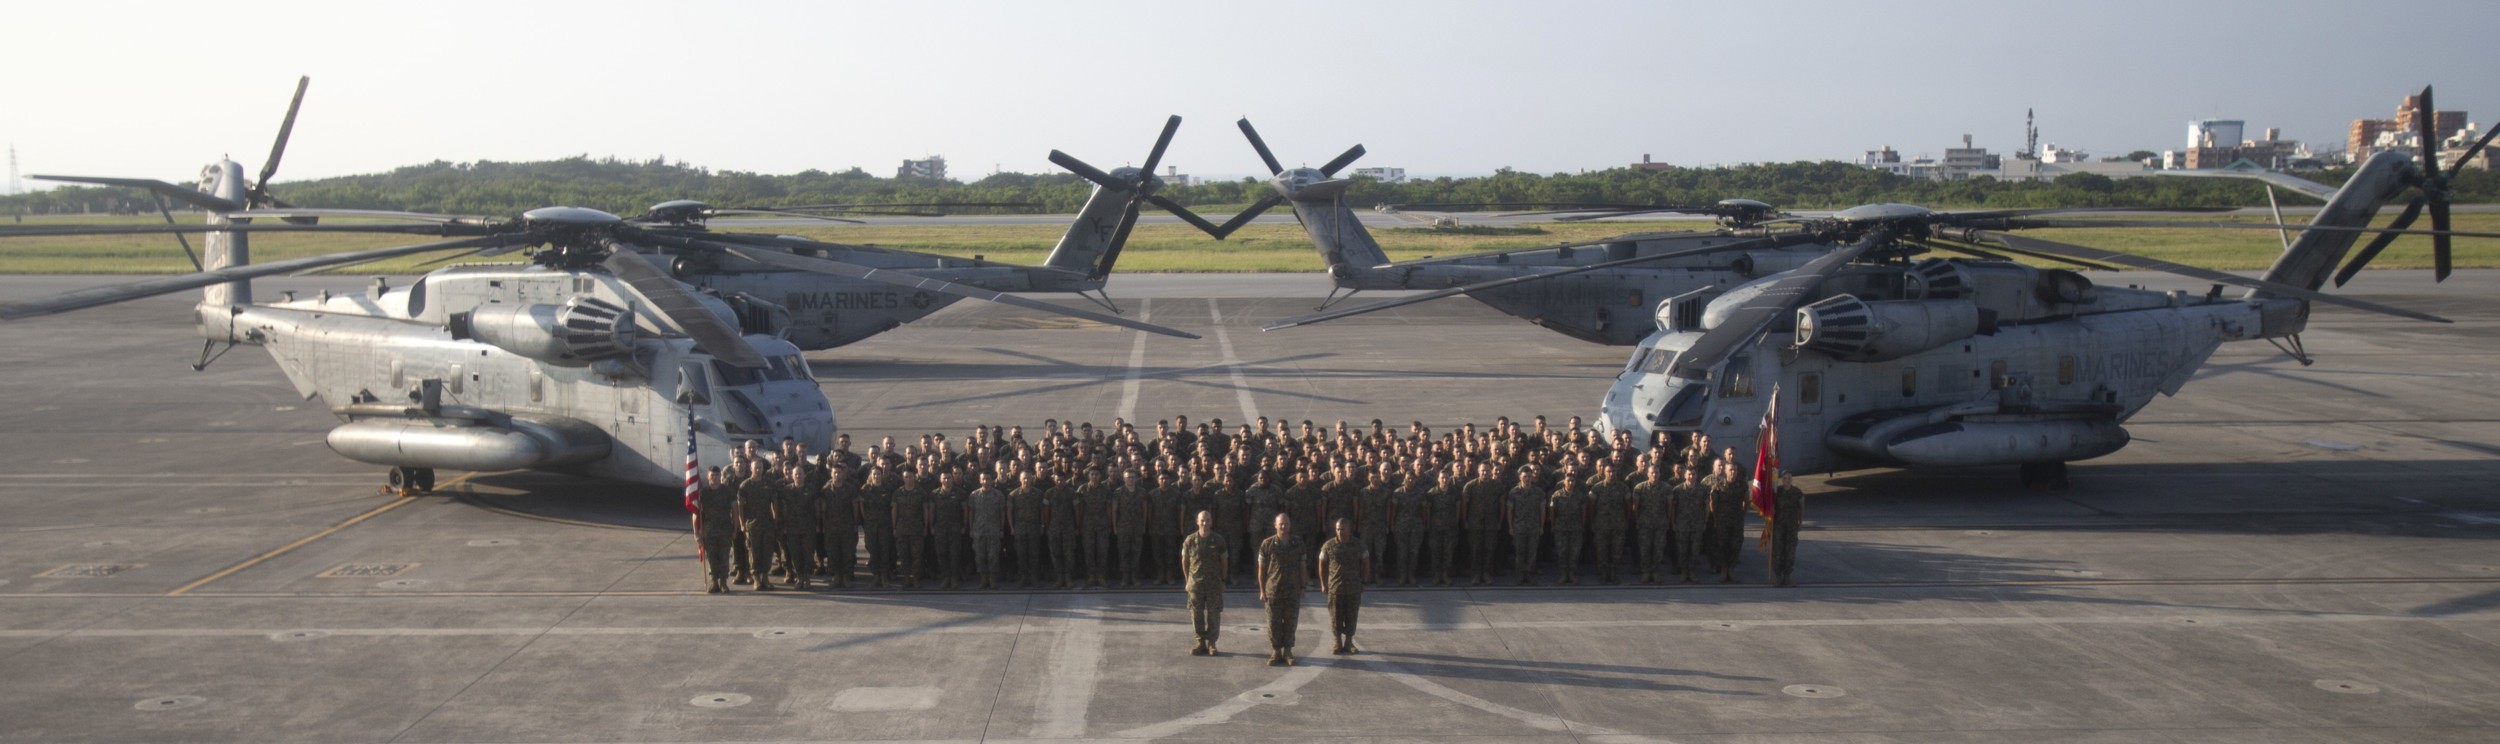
<point x="1966" y="161"/>
<point x="1383" y="175"/>
<point x="2055" y="154"/>
<point x="2365" y="136"/>
<point x="2215" y="132"/>
<point x="1890" y="161"/>
<point x="2212" y="153"/>
<point x="2455" y="145"/>
<point x="1172" y="176"/>
<point x="1647" y="165"/>
<point x="934" y="167"/>
<point x="2043" y="170"/>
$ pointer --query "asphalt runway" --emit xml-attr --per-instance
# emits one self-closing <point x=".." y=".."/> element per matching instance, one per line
<point x="2285" y="554"/>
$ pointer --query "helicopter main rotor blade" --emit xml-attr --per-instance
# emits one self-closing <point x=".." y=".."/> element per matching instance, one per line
<point x="106" y="295"/>
<point x="1265" y="203"/>
<point x="2025" y="224"/>
<point x="277" y="150"/>
<point x="1509" y="281"/>
<point x="1089" y="172"/>
<point x="378" y="214"/>
<point x="28" y="231"/>
<point x="1343" y="159"/>
<point x="1952" y="217"/>
<point x="1260" y="145"/>
<point x="786" y="260"/>
<point x="2036" y="246"/>
<point x="1119" y="240"/>
<point x="780" y="213"/>
<point x="672" y="300"/>
<point x="1154" y="157"/>
<point x="1782" y="295"/>
<point x="2403" y="220"/>
<point x="184" y="194"/>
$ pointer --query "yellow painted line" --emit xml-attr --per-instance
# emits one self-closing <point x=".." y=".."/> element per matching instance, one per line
<point x="282" y="550"/>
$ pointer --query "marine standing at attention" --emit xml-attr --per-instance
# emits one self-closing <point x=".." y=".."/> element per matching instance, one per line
<point x="1789" y="508"/>
<point x="1206" y="559"/>
<point x="716" y="515"/>
<point x="1344" y="566"/>
<point x="1281" y="566"/>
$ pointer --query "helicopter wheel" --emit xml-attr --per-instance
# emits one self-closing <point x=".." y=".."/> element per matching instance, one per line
<point x="2044" y="476"/>
<point x="409" y="481"/>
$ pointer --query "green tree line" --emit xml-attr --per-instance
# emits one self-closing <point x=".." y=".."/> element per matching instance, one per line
<point x="628" y="187"/>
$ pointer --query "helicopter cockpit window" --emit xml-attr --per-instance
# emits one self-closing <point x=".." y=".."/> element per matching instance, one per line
<point x="692" y="387"/>
<point x="1736" y="380"/>
<point x="1639" y="357"/>
<point x="732" y="375"/>
<point x="1658" y="361"/>
<point x="777" y="369"/>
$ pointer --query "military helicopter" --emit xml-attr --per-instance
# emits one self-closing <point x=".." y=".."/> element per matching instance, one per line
<point x="1877" y="361"/>
<point x="1598" y="291"/>
<point x="589" y="360"/>
<point x="822" y="310"/>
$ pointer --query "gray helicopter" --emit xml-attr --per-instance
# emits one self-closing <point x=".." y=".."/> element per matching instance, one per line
<point x="1599" y="291"/>
<point x="1876" y="361"/>
<point x="818" y="310"/>
<point x="589" y="360"/>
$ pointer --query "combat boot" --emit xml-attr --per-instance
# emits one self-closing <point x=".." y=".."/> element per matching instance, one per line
<point x="1199" y="649"/>
<point x="1276" y="657"/>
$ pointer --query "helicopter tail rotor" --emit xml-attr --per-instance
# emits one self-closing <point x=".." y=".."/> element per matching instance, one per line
<point x="1140" y="188"/>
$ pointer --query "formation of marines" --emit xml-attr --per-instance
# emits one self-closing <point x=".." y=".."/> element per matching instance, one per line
<point x="1072" y="505"/>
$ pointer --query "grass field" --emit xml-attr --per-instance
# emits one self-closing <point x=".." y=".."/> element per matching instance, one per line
<point x="1180" y="248"/>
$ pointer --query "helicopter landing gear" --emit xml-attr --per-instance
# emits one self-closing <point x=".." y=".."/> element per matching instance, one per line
<point x="2044" y="476"/>
<point x="409" y="482"/>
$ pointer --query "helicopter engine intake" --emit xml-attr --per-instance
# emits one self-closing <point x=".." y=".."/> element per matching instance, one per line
<point x="576" y="333"/>
<point x="1856" y="330"/>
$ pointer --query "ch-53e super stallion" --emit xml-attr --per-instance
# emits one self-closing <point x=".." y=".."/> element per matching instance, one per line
<point x="821" y="310"/>
<point x="1600" y="291"/>
<point x="1876" y="361"/>
<point x="588" y="360"/>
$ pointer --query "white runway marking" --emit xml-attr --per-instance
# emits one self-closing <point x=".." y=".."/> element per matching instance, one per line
<point x="1533" y="719"/>
<point x="1075" y="670"/>
<point x="1136" y="363"/>
<point x="1241" y="385"/>
<point x="1301" y="674"/>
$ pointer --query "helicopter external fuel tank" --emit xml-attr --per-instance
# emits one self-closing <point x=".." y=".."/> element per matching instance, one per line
<point x="481" y="444"/>
<point x="1919" y="441"/>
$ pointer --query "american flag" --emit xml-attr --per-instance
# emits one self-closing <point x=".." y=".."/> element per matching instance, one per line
<point x="694" y="479"/>
<point x="1766" y="460"/>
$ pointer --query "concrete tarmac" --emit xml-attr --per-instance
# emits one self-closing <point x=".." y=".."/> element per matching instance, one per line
<point x="2285" y="554"/>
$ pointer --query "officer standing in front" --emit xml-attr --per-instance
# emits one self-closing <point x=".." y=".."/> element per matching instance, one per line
<point x="1788" y="510"/>
<point x="1344" y="566"/>
<point x="1206" y="559"/>
<point x="716" y="515"/>
<point x="1281" y="566"/>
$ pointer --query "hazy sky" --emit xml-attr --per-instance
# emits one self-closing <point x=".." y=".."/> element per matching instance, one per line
<point x="156" y="89"/>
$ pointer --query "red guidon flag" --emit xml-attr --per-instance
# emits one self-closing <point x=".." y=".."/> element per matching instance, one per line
<point x="1766" y="461"/>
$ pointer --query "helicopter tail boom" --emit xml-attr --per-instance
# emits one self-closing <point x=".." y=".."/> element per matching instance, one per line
<point x="2313" y="256"/>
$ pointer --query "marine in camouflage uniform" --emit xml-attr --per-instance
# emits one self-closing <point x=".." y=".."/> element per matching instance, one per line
<point x="1129" y="525"/>
<point x="1443" y="503"/>
<point x="1027" y="510"/>
<point x="1282" y="564"/>
<point x="1570" y="516"/>
<point x="1409" y="513"/>
<point x="988" y="510"/>
<point x="1372" y="520"/>
<point x="1723" y="539"/>
<point x="1344" y="566"/>
<point x="1691" y="502"/>
<point x="1789" y="508"/>
<point x="1206" y="559"/>
<point x="876" y="522"/>
<point x="1483" y="502"/>
<point x="1609" y="512"/>
<point x="949" y="509"/>
<point x="794" y="509"/>
<point x="911" y="531"/>
<point x="1066" y="526"/>
<point x="1163" y="527"/>
<point x="1525" y="509"/>
<point x="716" y="514"/>
<point x="1653" y="504"/>
<point x="841" y="522"/>
<point x="1232" y="514"/>
<point x="1096" y="502"/>
<point x="756" y="497"/>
